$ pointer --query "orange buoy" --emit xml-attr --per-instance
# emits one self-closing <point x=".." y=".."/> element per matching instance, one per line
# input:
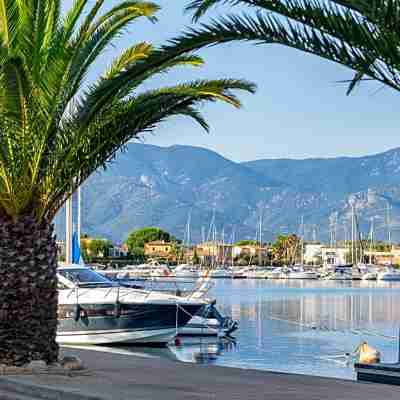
<point x="368" y="354"/>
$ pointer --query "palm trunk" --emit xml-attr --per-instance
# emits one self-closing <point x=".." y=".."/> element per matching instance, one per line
<point x="28" y="292"/>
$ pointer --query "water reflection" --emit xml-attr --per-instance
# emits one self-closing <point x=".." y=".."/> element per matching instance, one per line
<point x="298" y="326"/>
<point x="317" y="305"/>
<point x="202" y="350"/>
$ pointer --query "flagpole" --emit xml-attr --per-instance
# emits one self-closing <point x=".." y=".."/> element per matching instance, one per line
<point x="68" y="231"/>
<point x="78" y="224"/>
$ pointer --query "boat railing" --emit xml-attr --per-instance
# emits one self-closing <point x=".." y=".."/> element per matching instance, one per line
<point x="204" y="285"/>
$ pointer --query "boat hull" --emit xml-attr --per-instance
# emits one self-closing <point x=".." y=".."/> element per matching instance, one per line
<point x="125" y="323"/>
<point x="369" y="276"/>
<point x="198" y="330"/>
<point x="192" y="275"/>
<point x="389" y="277"/>
<point x="220" y="275"/>
<point x="302" y="275"/>
<point x="156" y="336"/>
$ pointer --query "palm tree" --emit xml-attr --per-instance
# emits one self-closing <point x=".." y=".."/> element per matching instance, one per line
<point x="56" y="130"/>
<point x="363" y="35"/>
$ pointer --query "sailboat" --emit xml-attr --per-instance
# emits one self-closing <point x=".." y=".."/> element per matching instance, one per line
<point x="298" y="271"/>
<point x="369" y="271"/>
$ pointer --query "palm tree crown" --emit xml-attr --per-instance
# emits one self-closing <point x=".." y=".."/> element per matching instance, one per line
<point x="363" y="35"/>
<point x="55" y="130"/>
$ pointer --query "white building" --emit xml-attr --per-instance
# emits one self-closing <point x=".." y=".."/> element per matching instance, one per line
<point x="334" y="255"/>
<point x="312" y="253"/>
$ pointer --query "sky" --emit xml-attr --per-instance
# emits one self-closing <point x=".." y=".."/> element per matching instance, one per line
<point x="300" y="109"/>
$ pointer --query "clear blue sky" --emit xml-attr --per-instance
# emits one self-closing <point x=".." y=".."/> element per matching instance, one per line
<point x="299" y="110"/>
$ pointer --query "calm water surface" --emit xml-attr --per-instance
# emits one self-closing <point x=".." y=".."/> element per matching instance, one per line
<point x="300" y="326"/>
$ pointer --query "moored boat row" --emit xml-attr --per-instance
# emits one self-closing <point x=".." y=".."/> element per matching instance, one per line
<point x="154" y="270"/>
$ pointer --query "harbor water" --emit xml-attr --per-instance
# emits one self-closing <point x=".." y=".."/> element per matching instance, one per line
<point x="303" y="327"/>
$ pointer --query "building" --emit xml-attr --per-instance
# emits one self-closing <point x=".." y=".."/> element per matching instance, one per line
<point x="251" y="250"/>
<point x="214" y="252"/>
<point x="383" y="257"/>
<point x="159" y="248"/>
<point x="313" y="253"/>
<point x="118" y="251"/>
<point x="61" y="250"/>
<point x="334" y="255"/>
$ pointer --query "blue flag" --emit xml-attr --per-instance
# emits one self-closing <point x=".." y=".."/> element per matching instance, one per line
<point x="76" y="251"/>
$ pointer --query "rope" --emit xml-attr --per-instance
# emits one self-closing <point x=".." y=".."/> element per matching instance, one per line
<point x="359" y="332"/>
<point x="292" y="322"/>
<point x="176" y="320"/>
<point x="373" y="333"/>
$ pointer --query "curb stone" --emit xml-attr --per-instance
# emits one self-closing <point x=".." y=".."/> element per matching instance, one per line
<point x="44" y="392"/>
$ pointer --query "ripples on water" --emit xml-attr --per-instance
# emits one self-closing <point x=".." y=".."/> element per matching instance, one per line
<point x="300" y="326"/>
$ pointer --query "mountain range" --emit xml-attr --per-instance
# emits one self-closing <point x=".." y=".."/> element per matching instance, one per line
<point x="172" y="187"/>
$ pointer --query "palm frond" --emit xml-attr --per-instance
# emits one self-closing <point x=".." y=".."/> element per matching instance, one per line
<point x="55" y="129"/>
<point x="138" y="115"/>
<point x="362" y="35"/>
<point x="106" y="91"/>
<point x="131" y="55"/>
<point x="99" y="35"/>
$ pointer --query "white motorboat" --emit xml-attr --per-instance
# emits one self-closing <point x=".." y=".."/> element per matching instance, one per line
<point x="276" y="273"/>
<point x="356" y="275"/>
<point x="94" y="310"/>
<point x="209" y="322"/>
<point x="298" y="272"/>
<point x="151" y="269"/>
<point x="186" y="271"/>
<point x="340" y="273"/>
<point x="369" y="272"/>
<point x="388" y="274"/>
<point x="253" y="272"/>
<point x="238" y="274"/>
<point x="302" y="275"/>
<point x="134" y="271"/>
<point x="339" y="276"/>
<point x="220" y="273"/>
<point x="369" y="276"/>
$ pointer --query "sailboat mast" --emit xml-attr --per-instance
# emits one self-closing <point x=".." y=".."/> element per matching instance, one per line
<point x="388" y="223"/>
<point x="259" y="254"/>
<point x="223" y="245"/>
<point x="352" y="234"/>
<point x="356" y="237"/>
<point x="371" y="240"/>
<point x="302" y="239"/>
<point x="388" y="229"/>
<point x="68" y="231"/>
<point x="233" y="244"/>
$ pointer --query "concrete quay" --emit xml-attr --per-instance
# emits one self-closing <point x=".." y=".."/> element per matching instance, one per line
<point x="123" y="377"/>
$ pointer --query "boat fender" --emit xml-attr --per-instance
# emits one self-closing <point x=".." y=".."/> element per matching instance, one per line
<point x="77" y="312"/>
<point x="367" y="354"/>
<point x="117" y="309"/>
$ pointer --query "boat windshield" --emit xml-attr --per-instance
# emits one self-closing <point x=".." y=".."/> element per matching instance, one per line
<point x="85" y="277"/>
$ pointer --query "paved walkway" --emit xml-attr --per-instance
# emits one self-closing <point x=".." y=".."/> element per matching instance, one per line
<point x="123" y="377"/>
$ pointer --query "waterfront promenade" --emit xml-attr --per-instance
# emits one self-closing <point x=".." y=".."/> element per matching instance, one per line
<point x="122" y="377"/>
